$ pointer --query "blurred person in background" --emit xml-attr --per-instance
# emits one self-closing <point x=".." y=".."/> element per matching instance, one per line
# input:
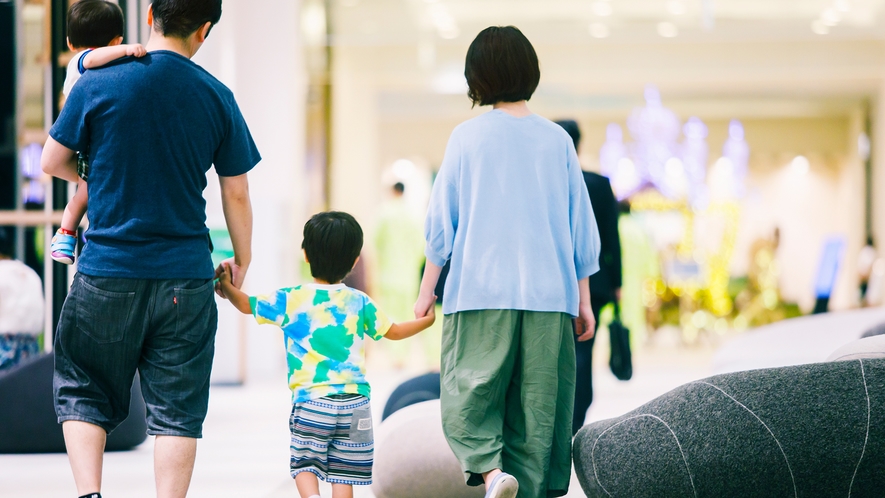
<point x="605" y="285"/>
<point x="865" y="261"/>
<point x="399" y="253"/>
<point x="640" y="264"/>
<point x="21" y="307"/>
<point x="510" y="209"/>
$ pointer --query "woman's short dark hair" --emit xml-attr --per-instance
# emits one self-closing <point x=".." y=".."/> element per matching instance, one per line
<point x="332" y="241"/>
<point x="181" y="18"/>
<point x="94" y="23"/>
<point x="501" y="66"/>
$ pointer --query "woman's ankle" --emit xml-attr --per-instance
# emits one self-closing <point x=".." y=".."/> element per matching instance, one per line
<point x="489" y="476"/>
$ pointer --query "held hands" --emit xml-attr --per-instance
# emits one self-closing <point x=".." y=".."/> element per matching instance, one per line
<point x="136" y="50"/>
<point x="424" y="305"/>
<point x="228" y="270"/>
<point x="585" y="323"/>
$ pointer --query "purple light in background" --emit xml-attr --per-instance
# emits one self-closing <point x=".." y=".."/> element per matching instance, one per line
<point x="33" y="192"/>
<point x="30" y="161"/>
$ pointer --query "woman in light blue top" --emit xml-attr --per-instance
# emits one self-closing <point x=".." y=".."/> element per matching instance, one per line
<point x="509" y="208"/>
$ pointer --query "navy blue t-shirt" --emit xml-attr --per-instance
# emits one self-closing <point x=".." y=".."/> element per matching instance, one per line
<point x="153" y="127"/>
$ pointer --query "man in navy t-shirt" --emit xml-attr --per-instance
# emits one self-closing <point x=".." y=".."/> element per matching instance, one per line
<point x="143" y="295"/>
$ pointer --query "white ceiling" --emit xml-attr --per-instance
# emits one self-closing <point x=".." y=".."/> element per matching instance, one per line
<point x="399" y="22"/>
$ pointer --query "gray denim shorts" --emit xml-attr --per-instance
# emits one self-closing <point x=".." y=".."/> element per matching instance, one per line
<point x="111" y="327"/>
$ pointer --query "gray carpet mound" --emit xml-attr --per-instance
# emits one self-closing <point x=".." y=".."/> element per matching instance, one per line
<point x="815" y="430"/>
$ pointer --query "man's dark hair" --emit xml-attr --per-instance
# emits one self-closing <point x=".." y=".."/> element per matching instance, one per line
<point x="399" y="187"/>
<point x="501" y="66"/>
<point x="180" y="18"/>
<point x="6" y="242"/>
<point x="94" y="23"/>
<point x="332" y="241"/>
<point x="571" y="127"/>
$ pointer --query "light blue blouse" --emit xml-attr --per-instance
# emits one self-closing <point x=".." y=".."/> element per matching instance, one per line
<point x="510" y="209"/>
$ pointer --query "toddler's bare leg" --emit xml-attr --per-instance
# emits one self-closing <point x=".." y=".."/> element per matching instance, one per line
<point x="308" y="484"/>
<point x="76" y="208"/>
<point x="342" y="491"/>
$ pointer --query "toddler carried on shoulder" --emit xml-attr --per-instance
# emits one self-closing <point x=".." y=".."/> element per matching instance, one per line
<point x="95" y="34"/>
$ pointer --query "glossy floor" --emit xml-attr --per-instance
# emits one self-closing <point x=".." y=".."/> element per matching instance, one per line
<point x="244" y="452"/>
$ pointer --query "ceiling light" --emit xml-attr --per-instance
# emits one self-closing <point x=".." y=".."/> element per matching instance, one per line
<point x="667" y="29"/>
<point x="800" y="165"/>
<point x="449" y="32"/>
<point x="830" y="17"/>
<point x="819" y="28"/>
<point x="842" y="5"/>
<point x="599" y="30"/>
<point x="602" y="9"/>
<point x="676" y="7"/>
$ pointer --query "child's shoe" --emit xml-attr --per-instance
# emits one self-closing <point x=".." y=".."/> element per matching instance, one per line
<point x="62" y="247"/>
<point x="503" y="485"/>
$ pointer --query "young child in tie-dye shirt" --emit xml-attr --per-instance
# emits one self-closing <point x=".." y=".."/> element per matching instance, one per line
<point x="325" y="325"/>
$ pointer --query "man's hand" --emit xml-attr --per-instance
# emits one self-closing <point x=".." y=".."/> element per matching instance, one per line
<point x="136" y="50"/>
<point x="424" y="305"/>
<point x="585" y="323"/>
<point x="235" y="273"/>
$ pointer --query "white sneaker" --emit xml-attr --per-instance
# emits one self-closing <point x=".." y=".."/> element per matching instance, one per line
<point x="503" y="485"/>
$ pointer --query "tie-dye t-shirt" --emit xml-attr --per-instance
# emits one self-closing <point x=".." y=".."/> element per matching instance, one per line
<point x="325" y="327"/>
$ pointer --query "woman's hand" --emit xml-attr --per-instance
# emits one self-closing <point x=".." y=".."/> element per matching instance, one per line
<point x="585" y="323"/>
<point x="424" y="305"/>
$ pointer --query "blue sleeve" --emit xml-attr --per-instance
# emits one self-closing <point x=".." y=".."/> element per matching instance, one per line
<point x="585" y="234"/>
<point x="71" y="129"/>
<point x="270" y="309"/>
<point x="442" y="213"/>
<point x="237" y="153"/>
<point x="80" y="66"/>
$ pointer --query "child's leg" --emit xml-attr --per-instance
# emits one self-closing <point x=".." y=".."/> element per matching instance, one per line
<point x="342" y="491"/>
<point x="64" y="242"/>
<point x="308" y="484"/>
<point x="76" y="208"/>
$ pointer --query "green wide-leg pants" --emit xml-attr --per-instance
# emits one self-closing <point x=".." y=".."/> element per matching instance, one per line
<point x="508" y="388"/>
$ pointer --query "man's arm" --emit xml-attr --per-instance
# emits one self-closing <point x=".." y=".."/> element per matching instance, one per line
<point x="105" y="55"/>
<point x="238" y="298"/>
<point x="59" y="161"/>
<point x="238" y="214"/>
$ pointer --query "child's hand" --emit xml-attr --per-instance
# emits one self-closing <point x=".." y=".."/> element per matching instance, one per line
<point x="226" y="278"/>
<point x="136" y="50"/>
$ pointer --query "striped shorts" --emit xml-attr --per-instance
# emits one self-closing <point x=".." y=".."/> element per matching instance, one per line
<point x="332" y="437"/>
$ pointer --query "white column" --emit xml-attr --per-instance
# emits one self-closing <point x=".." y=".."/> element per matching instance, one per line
<point x="355" y="171"/>
<point x="256" y="51"/>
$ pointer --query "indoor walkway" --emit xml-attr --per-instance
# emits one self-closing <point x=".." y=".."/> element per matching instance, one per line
<point x="244" y="452"/>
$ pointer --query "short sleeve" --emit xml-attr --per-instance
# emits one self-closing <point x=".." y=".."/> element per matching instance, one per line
<point x="71" y="129"/>
<point x="585" y="234"/>
<point x="270" y="309"/>
<point x="442" y="211"/>
<point x="237" y="153"/>
<point x="375" y="322"/>
<point x="80" y="58"/>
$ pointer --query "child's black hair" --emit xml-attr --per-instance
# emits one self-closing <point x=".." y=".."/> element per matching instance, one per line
<point x="94" y="23"/>
<point x="332" y="241"/>
<point x="181" y="18"/>
<point x="501" y="66"/>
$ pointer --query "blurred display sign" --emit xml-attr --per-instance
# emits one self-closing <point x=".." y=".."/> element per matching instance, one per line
<point x="222" y="246"/>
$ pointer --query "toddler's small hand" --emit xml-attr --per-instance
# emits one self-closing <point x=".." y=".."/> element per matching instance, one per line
<point x="136" y="50"/>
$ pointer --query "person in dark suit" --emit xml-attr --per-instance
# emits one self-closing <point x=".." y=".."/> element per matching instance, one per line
<point x="605" y="285"/>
